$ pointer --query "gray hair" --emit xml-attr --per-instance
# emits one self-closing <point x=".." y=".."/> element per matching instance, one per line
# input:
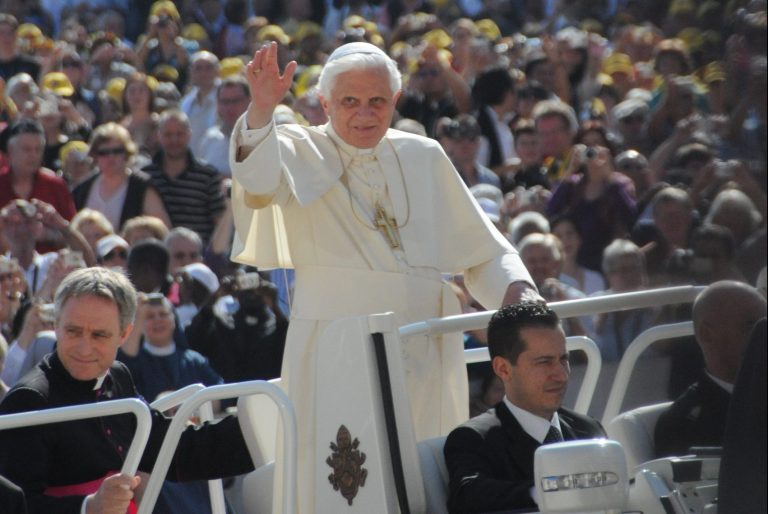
<point x="173" y="114"/>
<point x="357" y="61"/>
<point x="672" y="194"/>
<point x="525" y="223"/>
<point x="183" y="233"/>
<point x="547" y="108"/>
<point x="734" y="198"/>
<point x="546" y="240"/>
<point x="101" y="283"/>
<point x="616" y="250"/>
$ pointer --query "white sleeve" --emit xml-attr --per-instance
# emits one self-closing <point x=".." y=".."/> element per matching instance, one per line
<point x="488" y="282"/>
<point x="13" y="362"/>
<point x="254" y="158"/>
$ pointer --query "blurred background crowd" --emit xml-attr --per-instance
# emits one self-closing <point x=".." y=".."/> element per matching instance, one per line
<point x="619" y="144"/>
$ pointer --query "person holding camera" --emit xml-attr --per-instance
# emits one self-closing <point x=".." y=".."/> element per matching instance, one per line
<point x="162" y="44"/>
<point x="22" y="224"/>
<point x="597" y="197"/>
<point x="243" y="332"/>
<point x="26" y="178"/>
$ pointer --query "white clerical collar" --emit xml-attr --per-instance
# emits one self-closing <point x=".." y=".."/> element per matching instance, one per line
<point x="100" y="381"/>
<point x="348" y="149"/>
<point x="535" y="426"/>
<point x="159" y="351"/>
<point x="722" y="383"/>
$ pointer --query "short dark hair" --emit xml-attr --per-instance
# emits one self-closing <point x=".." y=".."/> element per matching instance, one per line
<point x="491" y="86"/>
<point x="504" y="328"/>
<point x="22" y="126"/>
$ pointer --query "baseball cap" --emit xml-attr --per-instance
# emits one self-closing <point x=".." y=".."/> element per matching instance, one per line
<point x="81" y="147"/>
<point x="108" y="243"/>
<point x="203" y="274"/>
<point x="58" y="83"/>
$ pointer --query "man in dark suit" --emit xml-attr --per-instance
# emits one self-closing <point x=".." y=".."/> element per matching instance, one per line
<point x="72" y="467"/>
<point x="490" y="457"/>
<point x="724" y="315"/>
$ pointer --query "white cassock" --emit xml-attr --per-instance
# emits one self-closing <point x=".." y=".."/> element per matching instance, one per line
<point x="303" y="199"/>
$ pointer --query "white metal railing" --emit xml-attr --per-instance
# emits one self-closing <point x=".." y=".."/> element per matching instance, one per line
<point x="628" y="360"/>
<point x="93" y="410"/>
<point x="565" y="309"/>
<point x="178" y="425"/>
<point x="176" y="398"/>
<point x="573" y="343"/>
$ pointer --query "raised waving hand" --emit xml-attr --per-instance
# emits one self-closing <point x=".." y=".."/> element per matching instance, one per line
<point x="266" y="84"/>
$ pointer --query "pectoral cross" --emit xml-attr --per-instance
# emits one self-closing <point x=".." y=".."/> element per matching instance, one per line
<point x="387" y="225"/>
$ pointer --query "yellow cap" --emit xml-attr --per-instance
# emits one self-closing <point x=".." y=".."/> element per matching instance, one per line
<point x="164" y="7"/>
<point x="72" y="146"/>
<point x="305" y="78"/>
<point x="488" y="28"/>
<point x="618" y="62"/>
<point x="58" y="83"/>
<point x="354" y="21"/>
<point x="713" y="72"/>
<point x="438" y="38"/>
<point x="273" y="33"/>
<point x="307" y="29"/>
<point x="231" y="66"/>
<point x="692" y="37"/>
<point x="115" y="88"/>
<point x="681" y="7"/>
<point x="29" y="31"/>
<point x="195" y="32"/>
<point x="163" y="73"/>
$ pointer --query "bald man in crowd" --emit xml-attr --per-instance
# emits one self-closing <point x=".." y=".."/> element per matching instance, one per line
<point x="724" y="315"/>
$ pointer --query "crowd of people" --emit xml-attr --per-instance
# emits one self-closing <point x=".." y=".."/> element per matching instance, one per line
<point x="616" y="145"/>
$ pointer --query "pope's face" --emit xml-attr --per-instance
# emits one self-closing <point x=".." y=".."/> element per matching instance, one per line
<point x="88" y="335"/>
<point x="361" y="106"/>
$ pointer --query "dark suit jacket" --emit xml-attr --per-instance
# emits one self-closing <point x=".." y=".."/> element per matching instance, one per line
<point x="745" y="457"/>
<point x="77" y="452"/>
<point x="696" y="418"/>
<point x="490" y="459"/>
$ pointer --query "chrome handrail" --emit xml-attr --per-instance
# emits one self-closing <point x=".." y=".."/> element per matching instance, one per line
<point x="628" y="360"/>
<point x="178" y="425"/>
<point x="176" y="398"/>
<point x="93" y="410"/>
<point x="565" y="309"/>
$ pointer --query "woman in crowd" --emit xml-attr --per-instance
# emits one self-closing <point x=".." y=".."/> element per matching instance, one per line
<point x="117" y="191"/>
<point x="139" y="113"/>
<point x="572" y="273"/>
<point x="598" y="198"/>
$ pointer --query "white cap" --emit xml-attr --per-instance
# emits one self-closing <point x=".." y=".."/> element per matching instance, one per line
<point x="108" y="243"/>
<point x="203" y="274"/>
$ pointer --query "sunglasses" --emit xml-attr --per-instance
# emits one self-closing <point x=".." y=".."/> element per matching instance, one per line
<point x="71" y="64"/>
<point x="633" y="119"/>
<point x="120" y="253"/>
<point x="103" y="152"/>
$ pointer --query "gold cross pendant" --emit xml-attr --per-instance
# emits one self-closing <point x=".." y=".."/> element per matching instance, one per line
<point x="387" y="226"/>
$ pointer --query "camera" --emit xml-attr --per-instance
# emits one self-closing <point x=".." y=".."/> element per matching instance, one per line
<point x="155" y="299"/>
<point x="586" y="152"/>
<point x="163" y="21"/>
<point x="248" y="281"/>
<point x="73" y="259"/>
<point x="47" y="312"/>
<point x="28" y="209"/>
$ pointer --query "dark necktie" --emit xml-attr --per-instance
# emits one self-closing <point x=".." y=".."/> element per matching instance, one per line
<point x="553" y="436"/>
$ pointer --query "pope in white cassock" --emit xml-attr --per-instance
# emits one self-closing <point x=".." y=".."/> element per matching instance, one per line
<point x="369" y="217"/>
